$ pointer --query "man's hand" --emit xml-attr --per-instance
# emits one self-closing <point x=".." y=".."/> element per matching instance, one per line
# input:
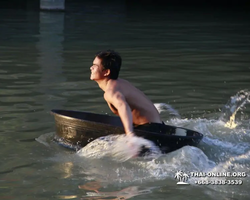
<point x="131" y="134"/>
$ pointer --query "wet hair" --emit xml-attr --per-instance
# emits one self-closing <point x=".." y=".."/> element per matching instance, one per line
<point x="110" y="60"/>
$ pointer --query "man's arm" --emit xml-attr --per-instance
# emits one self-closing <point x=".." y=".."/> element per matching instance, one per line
<point x="119" y="102"/>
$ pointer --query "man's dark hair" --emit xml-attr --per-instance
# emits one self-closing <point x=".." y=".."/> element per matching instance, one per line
<point x="110" y="60"/>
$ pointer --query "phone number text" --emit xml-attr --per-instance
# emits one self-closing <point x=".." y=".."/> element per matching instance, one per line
<point x="219" y="182"/>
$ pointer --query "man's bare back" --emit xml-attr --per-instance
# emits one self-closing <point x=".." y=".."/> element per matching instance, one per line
<point x="143" y="110"/>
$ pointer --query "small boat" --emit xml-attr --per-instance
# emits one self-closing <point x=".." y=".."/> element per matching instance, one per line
<point x="75" y="129"/>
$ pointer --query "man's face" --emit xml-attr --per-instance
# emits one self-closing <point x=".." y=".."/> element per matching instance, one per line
<point x="96" y="69"/>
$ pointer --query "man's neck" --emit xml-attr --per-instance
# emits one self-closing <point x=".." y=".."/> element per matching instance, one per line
<point x="103" y="84"/>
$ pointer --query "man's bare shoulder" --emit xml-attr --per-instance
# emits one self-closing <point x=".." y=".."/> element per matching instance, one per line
<point x="116" y="89"/>
<point x="113" y="94"/>
<point x="112" y="87"/>
<point x="110" y="93"/>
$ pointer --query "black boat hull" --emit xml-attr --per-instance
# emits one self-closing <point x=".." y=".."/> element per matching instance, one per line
<point x="76" y="129"/>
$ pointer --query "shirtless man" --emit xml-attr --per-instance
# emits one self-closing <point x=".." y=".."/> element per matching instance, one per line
<point x="125" y="100"/>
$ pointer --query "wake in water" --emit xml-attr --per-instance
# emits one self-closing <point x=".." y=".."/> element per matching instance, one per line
<point x="111" y="160"/>
<point x="123" y="147"/>
<point x="225" y="147"/>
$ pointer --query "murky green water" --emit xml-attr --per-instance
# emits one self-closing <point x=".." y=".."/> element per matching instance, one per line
<point x="194" y="61"/>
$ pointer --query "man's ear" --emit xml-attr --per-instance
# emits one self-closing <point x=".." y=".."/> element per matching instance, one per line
<point x="107" y="72"/>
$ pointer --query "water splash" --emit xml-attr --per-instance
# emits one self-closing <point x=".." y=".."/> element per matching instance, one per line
<point x="45" y="138"/>
<point x="119" y="147"/>
<point x="163" y="107"/>
<point x="236" y="103"/>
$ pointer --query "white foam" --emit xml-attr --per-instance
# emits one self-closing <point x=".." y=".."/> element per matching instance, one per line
<point x="119" y="147"/>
